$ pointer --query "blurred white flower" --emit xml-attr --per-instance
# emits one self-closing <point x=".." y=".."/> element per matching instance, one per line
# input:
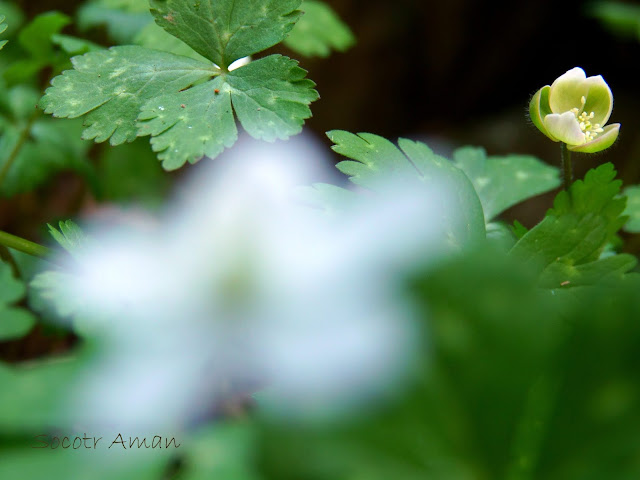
<point x="239" y="287"/>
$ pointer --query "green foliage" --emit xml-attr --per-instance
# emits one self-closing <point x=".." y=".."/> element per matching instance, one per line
<point x="269" y="97"/>
<point x="38" y="52"/>
<point x="633" y="209"/>
<point x="566" y="246"/>
<point x="69" y="236"/>
<point x="185" y="104"/>
<point x="13" y="18"/>
<point x="14" y="321"/>
<point x="376" y="162"/>
<point x="502" y="182"/>
<point x="319" y="31"/>
<point x="153" y="36"/>
<point x="512" y="383"/>
<point x="131" y="173"/>
<point x="3" y="27"/>
<point x="32" y="147"/>
<point x="112" y="85"/>
<point x="460" y="416"/>
<point x="620" y="18"/>
<point x="74" y="46"/>
<point x="518" y="229"/>
<point x="227" y="30"/>
<point x="122" y="19"/>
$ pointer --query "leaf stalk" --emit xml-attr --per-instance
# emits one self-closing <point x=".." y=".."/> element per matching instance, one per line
<point x="23" y="245"/>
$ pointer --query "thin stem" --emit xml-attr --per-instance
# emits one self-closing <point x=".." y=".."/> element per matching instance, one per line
<point x="567" y="168"/>
<point x="23" y="245"/>
<point x="22" y="139"/>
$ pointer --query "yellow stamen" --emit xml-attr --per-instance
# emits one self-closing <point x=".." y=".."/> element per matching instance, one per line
<point x="590" y="131"/>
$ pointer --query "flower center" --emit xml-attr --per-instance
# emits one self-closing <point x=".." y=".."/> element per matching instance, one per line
<point x="590" y="130"/>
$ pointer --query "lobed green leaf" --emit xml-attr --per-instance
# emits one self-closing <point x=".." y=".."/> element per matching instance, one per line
<point x="502" y="182"/>
<point x="226" y="30"/>
<point x="269" y="96"/>
<point x="69" y="236"/>
<point x="377" y="162"/>
<point x="566" y="247"/>
<point x="111" y="86"/>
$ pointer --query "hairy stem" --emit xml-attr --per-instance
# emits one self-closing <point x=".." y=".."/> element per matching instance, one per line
<point x="567" y="168"/>
<point x="23" y="245"/>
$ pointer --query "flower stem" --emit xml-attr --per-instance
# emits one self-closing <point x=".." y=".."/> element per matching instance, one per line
<point x="567" y="168"/>
<point x="23" y="245"/>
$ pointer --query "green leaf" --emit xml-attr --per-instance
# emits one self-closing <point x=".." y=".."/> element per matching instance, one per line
<point x="38" y="50"/>
<point x="70" y="237"/>
<point x="620" y="18"/>
<point x="122" y="19"/>
<point x="378" y="162"/>
<point x="502" y="182"/>
<point x="35" y="38"/>
<point x="226" y="30"/>
<point x="518" y="229"/>
<point x="73" y="45"/>
<point x="269" y="96"/>
<point x="3" y="27"/>
<point x="111" y="86"/>
<point x="501" y="235"/>
<point x="14" y="322"/>
<point x="153" y="36"/>
<point x="33" y="148"/>
<point x="319" y="31"/>
<point x="633" y="209"/>
<point x="566" y="247"/>
<point x="13" y="17"/>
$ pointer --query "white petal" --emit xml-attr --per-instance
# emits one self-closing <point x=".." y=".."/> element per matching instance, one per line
<point x="565" y="128"/>
<point x="599" y="100"/>
<point x="567" y="91"/>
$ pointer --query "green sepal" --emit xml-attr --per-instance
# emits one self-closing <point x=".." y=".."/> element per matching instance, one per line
<point x="539" y="108"/>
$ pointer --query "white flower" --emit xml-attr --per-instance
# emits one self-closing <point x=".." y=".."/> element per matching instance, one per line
<point x="239" y="288"/>
<point x="574" y="110"/>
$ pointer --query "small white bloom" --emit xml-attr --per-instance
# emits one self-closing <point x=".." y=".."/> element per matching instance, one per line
<point x="574" y="110"/>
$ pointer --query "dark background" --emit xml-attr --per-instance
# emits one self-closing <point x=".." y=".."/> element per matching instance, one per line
<point x="459" y="72"/>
